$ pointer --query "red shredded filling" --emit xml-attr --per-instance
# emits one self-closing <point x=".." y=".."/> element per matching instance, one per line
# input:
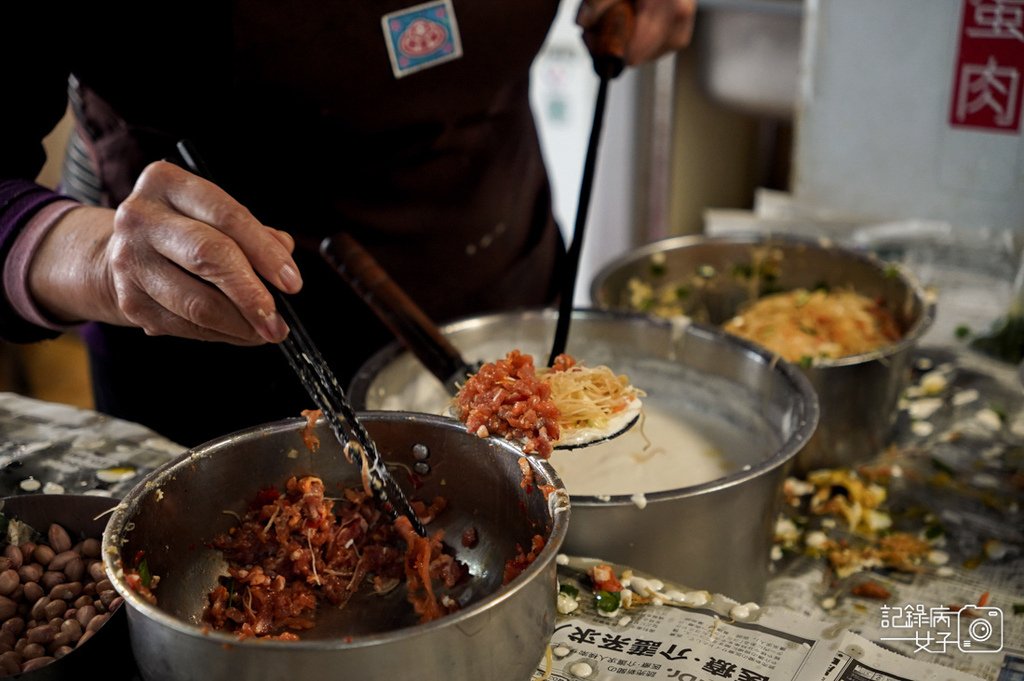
<point x="514" y="566"/>
<point x="300" y="549"/>
<point x="505" y="398"/>
<point x="604" y="579"/>
<point x="309" y="438"/>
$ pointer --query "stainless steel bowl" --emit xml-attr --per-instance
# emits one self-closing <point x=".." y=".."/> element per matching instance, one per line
<point x="857" y="394"/>
<point x="715" y="535"/>
<point x="500" y="633"/>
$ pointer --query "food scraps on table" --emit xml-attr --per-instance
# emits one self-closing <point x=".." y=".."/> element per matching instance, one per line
<point x="854" y="507"/>
<point x="613" y="593"/>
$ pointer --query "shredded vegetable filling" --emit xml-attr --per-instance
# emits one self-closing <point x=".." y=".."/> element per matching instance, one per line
<point x="802" y="325"/>
<point x="298" y="549"/>
<point x="511" y="398"/>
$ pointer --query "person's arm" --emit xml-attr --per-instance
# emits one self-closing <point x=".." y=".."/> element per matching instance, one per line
<point x="34" y="92"/>
<point x="25" y="210"/>
<point x="178" y="257"/>
<point x="660" y="26"/>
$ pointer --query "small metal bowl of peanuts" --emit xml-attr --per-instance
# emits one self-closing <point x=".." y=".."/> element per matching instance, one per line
<point x="59" y="615"/>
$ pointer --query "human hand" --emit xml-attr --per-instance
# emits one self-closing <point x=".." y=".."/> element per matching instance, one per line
<point x="183" y="259"/>
<point x="659" y="27"/>
<point x="179" y="257"/>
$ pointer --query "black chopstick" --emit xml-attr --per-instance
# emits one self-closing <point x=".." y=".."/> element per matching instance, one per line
<point x="323" y="387"/>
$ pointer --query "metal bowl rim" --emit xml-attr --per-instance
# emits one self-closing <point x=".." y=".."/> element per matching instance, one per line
<point x="909" y="279"/>
<point x="121" y="515"/>
<point x="809" y="411"/>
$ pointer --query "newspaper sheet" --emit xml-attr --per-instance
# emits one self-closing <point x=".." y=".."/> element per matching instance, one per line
<point x="697" y="636"/>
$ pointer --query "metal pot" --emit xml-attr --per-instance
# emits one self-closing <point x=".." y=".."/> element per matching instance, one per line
<point x="857" y="394"/>
<point x="715" y="535"/>
<point x="500" y="632"/>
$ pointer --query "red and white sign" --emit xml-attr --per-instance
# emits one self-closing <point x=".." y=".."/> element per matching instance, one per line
<point x="988" y="81"/>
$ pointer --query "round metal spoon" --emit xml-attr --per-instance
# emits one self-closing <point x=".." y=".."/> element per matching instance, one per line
<point x="422" y="338"/>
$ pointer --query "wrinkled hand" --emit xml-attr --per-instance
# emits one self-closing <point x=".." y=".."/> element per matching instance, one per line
<point x="660" y="26"/>
<point x="183" y="259"/>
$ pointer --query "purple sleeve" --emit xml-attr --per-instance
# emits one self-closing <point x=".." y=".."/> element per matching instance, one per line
<point x="35" y="97"/>
<point x="19" y="201"/>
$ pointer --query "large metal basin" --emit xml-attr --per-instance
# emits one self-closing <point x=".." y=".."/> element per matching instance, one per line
<point x="715" y="535"/>
<point x="857" y="394"/>
<point x="500" y="633"/>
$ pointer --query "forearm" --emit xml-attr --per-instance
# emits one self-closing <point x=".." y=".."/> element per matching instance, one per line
<point x="21" y="202"/>
<point x="68" y="276"/>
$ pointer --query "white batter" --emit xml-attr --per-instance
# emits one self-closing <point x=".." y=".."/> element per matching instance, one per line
<point x="678" y="456"/>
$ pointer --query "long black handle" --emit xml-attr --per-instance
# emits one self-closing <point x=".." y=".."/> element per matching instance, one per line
<point x="607" y="45"/>
<point x="568" y="291"/>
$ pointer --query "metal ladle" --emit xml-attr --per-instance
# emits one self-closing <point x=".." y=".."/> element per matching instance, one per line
<point x="417" y="332"/>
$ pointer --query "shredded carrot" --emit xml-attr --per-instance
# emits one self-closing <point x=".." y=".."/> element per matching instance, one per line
<point x="309" y="438"/>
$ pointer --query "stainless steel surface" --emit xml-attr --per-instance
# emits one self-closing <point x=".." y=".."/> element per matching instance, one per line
<point x="716" y="535"/>
<point x="500" y="633"/>
<point x="82" y="516"/>
<point x="858" y="394"/>
<point x="749" y="54"/>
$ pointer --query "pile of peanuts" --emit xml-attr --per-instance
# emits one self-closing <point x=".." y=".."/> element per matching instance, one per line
<point x="54" y="596"/>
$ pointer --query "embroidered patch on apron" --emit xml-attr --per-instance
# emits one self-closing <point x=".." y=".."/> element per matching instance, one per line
<point x="421" y="36"/>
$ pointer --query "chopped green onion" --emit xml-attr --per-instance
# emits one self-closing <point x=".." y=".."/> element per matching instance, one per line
<point x="607" y="601"/>
<point x="568" y="590"/>
<point x="144" y="576"/>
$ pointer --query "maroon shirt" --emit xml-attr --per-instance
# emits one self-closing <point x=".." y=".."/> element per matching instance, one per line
<point x="297" y="112"/>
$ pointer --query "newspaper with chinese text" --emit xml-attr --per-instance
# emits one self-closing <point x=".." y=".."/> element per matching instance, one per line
<point x="722" y="640"/>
